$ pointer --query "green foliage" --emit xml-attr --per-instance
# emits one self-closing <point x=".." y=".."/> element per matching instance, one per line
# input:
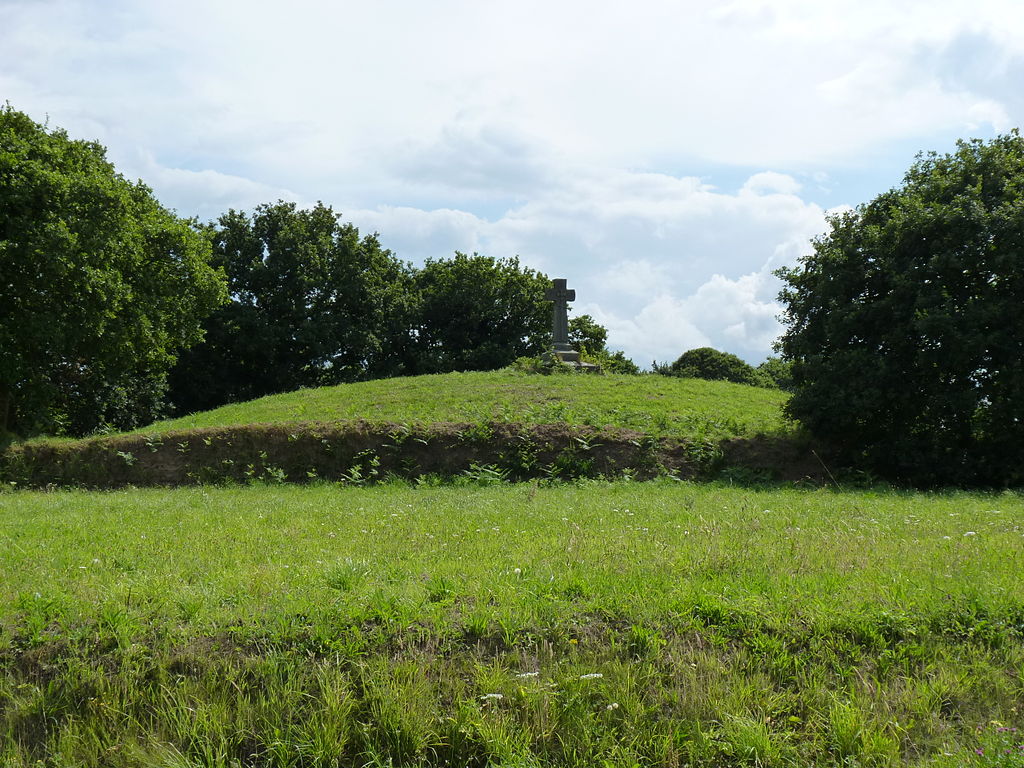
<point x="476" y="313"/>
<point x="710" y="364"/>
<point x="904" y="324"/>
<point x="613" y="362"/>
<point x="543" y="364"/>
<point x="101" y="288"/>
<point x="776" y="372"/>
<point x="312" y="303"/>
<point x="586" y="335"/>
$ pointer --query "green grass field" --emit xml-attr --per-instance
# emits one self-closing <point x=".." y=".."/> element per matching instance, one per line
<point x="657" y="405"/>
<point x="590" y="624"/>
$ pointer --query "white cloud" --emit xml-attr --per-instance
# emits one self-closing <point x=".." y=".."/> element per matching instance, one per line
<point x="417" y="235"/>
<point x="325" y="94"/>
<point x="665" y="263"/>
<point x="661" y="327"/>
<point x="735" y="315"/>
<point x="207" y="193"/>
<point x="592" y="139"/>
<point x="769" y="182"/>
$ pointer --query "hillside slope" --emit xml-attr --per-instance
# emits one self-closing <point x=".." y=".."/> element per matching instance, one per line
<point x="655" y="405"/>
<point x="497" y="425"/>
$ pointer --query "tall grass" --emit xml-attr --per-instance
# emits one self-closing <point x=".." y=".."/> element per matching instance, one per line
<point x="591" y="624"/>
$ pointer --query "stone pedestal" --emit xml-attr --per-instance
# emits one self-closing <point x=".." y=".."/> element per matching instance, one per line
<point x="565" y="353"/>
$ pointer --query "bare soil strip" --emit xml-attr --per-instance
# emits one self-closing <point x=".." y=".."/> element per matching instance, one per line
<point x="362" y="451"/>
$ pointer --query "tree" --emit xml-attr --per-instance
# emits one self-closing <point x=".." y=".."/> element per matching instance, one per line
<point x="586" y="335"/>
<point x="709" y="363"/>
<point x="476" y="313"/>
<point x="776" y="373"/>
<point x="312" y="303"/>
<point x="100" y="286"/>
<point x="905" y="326"/>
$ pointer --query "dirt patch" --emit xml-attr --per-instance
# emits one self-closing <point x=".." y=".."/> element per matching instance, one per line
<point x="356" y="452"/>
<point x="777" y="459"/>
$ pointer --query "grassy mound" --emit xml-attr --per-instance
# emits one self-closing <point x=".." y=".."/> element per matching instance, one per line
<point x="654" y="405"/>
<point x="655" y="624"/>
<point x="515" y="424"/>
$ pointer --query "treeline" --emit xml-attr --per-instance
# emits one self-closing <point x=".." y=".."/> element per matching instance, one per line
<point x="115" y="312"/>
<point x="314" y="303"/>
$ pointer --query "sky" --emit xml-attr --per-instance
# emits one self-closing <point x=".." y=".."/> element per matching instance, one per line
<point x="663" y="157"/>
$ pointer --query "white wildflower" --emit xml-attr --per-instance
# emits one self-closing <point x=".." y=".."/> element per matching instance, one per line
<point x="528" y="674"/>
<point x="492" y="696"/>
<point x="591" y="676"/>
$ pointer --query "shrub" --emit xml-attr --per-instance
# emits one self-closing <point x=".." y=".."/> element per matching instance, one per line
<point x="708" y="363"/>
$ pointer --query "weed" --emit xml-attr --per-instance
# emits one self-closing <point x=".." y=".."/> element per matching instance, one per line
<point x="749" y="742"/>
<point x="569" y="464"/>
<point x="440" y="588"/>
<point x="272" y="474"/>
<point x="644" y="642"/>
<point x="365" y="469"/>
<point x="481" y="432"/>
<point x="483" y="474"/>
<point x="345" y="575"/>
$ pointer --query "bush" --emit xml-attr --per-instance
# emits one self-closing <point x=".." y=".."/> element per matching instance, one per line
<point x="708" y="363"/>
<point x="612" y="362"/>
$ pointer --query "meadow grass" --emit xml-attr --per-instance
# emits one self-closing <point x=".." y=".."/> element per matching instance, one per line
<point x="656" y="405"/>
<point x="590" y="624"/>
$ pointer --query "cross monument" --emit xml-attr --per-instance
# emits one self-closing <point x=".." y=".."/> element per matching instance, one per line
<point x="560" y="296"/>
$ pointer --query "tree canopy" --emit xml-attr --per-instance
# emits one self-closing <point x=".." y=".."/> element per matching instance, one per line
<point x="709" y="363"/>
<point x="477" y="313"/>
<point x="904" y="324"/>
<point x="312" y="303"/>
<point x="100" y="286"/>
<point x="776" y="373"/>
<point x="586" y="335"/>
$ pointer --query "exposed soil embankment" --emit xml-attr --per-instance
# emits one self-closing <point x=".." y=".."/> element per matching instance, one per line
<point x="361" y="452"/>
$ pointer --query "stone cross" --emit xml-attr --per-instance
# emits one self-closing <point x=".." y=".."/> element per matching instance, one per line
<point x="560" y="295"/>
